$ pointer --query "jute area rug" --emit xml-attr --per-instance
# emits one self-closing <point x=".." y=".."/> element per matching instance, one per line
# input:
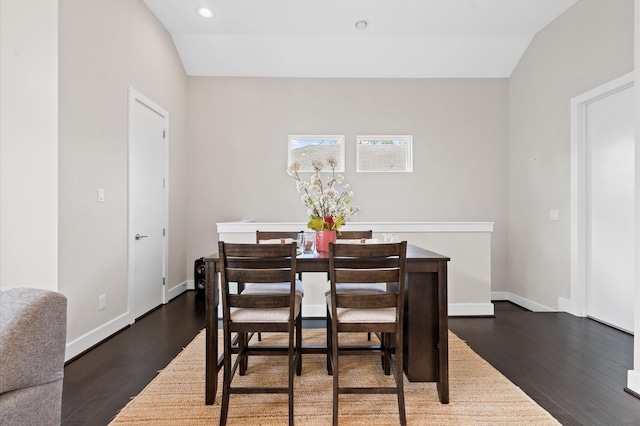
<point x="479" y="394"/>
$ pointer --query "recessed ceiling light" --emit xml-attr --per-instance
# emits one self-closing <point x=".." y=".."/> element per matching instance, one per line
<point x="205" y="12"/>
<point x="361" y="25"/>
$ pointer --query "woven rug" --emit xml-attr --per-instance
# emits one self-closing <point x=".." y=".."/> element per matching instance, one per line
<point x="479" y="394"/>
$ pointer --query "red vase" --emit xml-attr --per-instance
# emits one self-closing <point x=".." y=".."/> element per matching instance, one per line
<point x="323" y="238"/>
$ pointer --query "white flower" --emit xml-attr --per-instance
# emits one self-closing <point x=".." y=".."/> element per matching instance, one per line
<point x="322" y="201"/>
<point x="293" y="169"/>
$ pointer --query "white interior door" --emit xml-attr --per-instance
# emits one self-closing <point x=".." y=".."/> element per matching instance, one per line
<point x="610" y="209"/>
<point x="147" y="189"/>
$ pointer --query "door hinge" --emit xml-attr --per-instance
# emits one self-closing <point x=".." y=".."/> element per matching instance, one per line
<point x="162" y="280"/>
<point x="164" y="232"/>
<point x="164" y="185"/>
<point x="164" y="134"/>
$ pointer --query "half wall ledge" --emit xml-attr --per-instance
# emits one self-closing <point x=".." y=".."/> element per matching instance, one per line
<point x="468" y="244"/>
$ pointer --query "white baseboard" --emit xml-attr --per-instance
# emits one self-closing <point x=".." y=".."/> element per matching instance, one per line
<point x="520" y="301"/>
<point x="500" y="295"/>
<point x="177" y="290"/>
<point x="633" y="381"/>
<point x="191" y="285"/>
<point x="105" y="331"/>
<point x="470" y="309"/>
<point x="455" y="309"/>
<point x="83" y="343"/>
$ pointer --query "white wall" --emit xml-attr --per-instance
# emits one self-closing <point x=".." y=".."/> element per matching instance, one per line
<point x="588" y="45"/>
<point x="105" y="48"/>
<point x="238" y="131"/>
<point x="28" y="144"/>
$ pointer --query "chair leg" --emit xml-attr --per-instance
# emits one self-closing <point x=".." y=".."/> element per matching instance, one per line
<point x="329" y="345"/>
<point x="226" y="379"/>
<point x="386" y="343"/>
<point x="335" y="369"/>
<point x="244" y="359"/>
<point x="299" y="345"/>
<point x="292" y="369"/>
<point x="399" y="361"/>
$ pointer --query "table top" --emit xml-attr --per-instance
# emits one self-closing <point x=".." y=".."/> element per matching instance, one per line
<point x="413" y="252"/>
<point x="319" y="261"/>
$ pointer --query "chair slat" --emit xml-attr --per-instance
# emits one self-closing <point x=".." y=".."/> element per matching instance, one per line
<point x="274" y="235"/>
<point x="366" y="301"/>
<point x="258" y="301"/>
<point x="259" y="275"/>
<point x="366" y="275"/>
<point x="354" y="235"/>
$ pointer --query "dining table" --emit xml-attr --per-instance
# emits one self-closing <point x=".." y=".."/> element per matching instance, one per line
<point x="426" y="348"/>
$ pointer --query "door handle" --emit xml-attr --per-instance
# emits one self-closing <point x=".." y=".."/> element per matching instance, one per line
<point x="139" y="237"/>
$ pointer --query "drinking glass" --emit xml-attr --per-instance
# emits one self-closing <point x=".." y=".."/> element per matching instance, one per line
<point x="308" y="242"/>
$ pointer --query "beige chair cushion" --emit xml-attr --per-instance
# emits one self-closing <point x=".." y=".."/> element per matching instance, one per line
<point x="363" y="315"/>
<point x="264" y="315"/>
<point x="356" y="288"/>
<point x="273" y="288"/>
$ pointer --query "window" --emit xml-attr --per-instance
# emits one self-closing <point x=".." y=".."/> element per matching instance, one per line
<point x="306" y="149"/>
<point x="384" y="154"/>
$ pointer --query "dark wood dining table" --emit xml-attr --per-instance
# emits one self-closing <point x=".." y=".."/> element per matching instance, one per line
<point x="426" y="351"/>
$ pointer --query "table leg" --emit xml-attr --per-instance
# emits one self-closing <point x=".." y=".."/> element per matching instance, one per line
<point x="211" y="333"/>
<point x="443" y="338"/>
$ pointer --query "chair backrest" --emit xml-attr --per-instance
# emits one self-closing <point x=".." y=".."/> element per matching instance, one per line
<point x="276" y="235"/>
<point x="257" y="263"/>
<point x="367" y="264"/>
<point x="354" y="235"/>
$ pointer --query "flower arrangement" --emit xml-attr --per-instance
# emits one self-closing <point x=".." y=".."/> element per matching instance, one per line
<point x="327" y="207"/>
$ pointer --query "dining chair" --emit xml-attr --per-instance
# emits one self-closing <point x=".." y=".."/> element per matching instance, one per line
<point x="259" y="310"/>
<point x="271" y="237"/>
<point x="358" y="311"/>
<point x="357" y="235"/>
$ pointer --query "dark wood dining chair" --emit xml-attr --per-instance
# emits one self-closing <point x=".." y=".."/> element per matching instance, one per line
<point x="365" y="311"/>
<point x="259" y="310"/>
<point x="272" y="236"/>
<point x="354" y="235"/>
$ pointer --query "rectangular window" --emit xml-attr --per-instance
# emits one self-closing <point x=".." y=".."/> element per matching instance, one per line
<point x="306" y="149"/>
<point x="384" y="153"/>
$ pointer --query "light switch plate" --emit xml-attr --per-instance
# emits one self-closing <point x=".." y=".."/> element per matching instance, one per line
<point x="553" y="215"/>
<point x="101" y="195"/>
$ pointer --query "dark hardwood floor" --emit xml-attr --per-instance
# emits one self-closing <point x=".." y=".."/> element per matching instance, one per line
<point x="573" y="367"/>
<point x="102" y="381"/>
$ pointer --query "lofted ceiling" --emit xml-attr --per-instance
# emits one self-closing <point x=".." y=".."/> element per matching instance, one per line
<point x="319" y="38"/>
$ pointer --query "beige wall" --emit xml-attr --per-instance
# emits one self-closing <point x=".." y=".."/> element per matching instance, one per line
<point x="28" y="144"/>
<point x="238" y="130"/>
<point x="105" y="48"/>
<point x="588" y="45"/>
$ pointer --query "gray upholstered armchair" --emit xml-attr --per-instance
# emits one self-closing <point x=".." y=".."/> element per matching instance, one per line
<point x="33" y="328"/>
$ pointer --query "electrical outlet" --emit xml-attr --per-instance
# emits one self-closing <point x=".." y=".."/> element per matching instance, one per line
<point x="553" y="215"/>
<point x="102" y="302"/>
